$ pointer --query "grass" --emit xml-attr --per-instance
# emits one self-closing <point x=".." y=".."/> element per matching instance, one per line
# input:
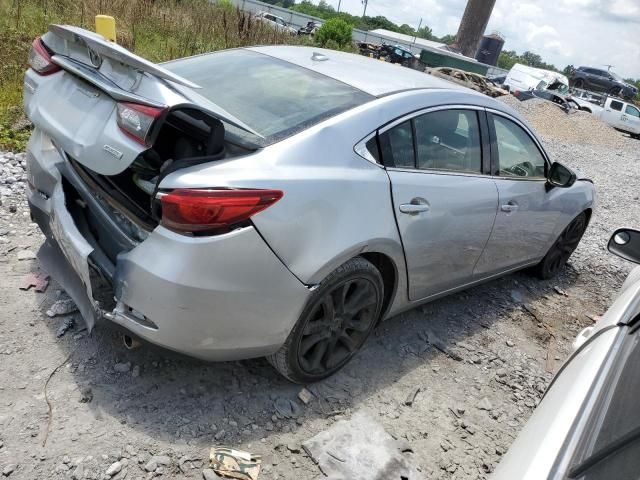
<point x="158" y="30"/>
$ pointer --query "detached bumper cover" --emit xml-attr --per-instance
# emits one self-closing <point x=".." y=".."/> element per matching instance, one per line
<point x="224" y="297"/>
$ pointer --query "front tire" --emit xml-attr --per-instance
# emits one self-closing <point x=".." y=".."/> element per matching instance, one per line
<point x="334" y="325"/>
<point x="564" y="246"/>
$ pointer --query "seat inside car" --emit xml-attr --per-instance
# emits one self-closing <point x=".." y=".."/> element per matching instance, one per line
<point x="446" y="141"/>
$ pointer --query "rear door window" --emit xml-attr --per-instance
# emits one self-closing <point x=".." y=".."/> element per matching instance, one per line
<point x="617" y="106"/>
<point x="397" y="146"/>
<point x="448" y="140"/>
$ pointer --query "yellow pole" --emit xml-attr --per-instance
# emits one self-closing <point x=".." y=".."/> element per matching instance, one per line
<point x="106" y="26"/>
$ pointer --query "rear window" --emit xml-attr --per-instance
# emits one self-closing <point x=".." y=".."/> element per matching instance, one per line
<point x="275" y="98"/>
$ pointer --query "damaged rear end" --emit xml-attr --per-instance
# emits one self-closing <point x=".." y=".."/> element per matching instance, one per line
<point x="109" y="127"/>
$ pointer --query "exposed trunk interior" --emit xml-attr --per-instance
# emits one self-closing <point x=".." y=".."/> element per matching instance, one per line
<point x="185" y="137"/>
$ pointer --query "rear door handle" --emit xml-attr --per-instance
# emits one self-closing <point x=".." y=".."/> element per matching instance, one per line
<point x="414" y="208"/>
<point x="509" y="207"/>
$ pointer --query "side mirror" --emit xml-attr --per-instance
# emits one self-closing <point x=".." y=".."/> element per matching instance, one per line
<point x="561" y="176"/>
<point x="625" y="243"/>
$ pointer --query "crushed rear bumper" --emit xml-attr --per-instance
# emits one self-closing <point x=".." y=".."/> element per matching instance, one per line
<point x="223" y="297"/>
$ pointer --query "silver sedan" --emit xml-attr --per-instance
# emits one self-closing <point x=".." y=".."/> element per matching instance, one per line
<point x="279" y="201"/>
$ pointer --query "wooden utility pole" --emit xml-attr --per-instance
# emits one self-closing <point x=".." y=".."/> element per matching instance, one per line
<point x="364" y="2"/>
<point x="473" y="24"/>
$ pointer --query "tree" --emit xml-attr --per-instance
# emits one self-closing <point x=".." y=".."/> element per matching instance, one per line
<point x="425" y="32"/>
<point x="568" y="70"/>
<point x="334" y="31"/>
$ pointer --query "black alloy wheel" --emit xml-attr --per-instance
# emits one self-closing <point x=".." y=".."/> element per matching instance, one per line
<point x="579" y="84"/>
<point x="559" y="253"/>
<point x="339" y="317"/>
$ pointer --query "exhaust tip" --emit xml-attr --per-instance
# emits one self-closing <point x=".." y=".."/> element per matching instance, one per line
<point x="131" y="343"/>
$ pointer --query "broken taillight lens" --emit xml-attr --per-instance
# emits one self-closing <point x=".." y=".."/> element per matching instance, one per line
<point x="136" y="120"/>
<point x="213" y="210"/>
<point x="40" y="59"/>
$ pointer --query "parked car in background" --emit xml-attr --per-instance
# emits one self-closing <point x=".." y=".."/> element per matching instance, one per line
<point x="389" y="53"/>
<point x="586" y="427"/>
<point x="621" y="115"/>
<point x="598" y="80"/>
<point x="523" y="78"/>
<point x="276" y="22"/>
<point x="471" y="80"/>
<point x="310" y="28"/>
<point x="279" y="201"/>
<point x="497" y="80"/>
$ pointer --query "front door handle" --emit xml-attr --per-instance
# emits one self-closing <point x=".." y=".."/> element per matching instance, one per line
<point x="509" y="207"/>
<point x="416" y="206"/>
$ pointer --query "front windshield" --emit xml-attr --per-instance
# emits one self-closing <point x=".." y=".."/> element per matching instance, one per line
<point x="615" y="75"/>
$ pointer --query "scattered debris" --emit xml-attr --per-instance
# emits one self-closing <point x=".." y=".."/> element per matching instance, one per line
<point x="412" y="396"/>
<point x="68" y="324"/>
<point x="305" y="396"/>
<point x="26" y="255"/>
<point x="62" y="307"/>
<point x="360" y="449"/>
<point x="485" y="404"/>
<point x="559" y="291"/>
<point x="9" y="469"/>
<point x="114" y="468"/>
<point x="38" y="280"/>
<point x="287" y="408"/>
<point x="86" y="395"/>
<point x="122" y="367"/>
<point x="231" y="463"/>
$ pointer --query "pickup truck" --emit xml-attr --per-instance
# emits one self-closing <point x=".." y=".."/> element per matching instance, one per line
<point x="621" y="115"/>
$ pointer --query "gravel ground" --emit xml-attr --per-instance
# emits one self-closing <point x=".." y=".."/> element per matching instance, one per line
<point x="480" y="359"/>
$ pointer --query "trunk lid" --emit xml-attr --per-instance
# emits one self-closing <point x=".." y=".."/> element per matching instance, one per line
<point x="77" y="107"/>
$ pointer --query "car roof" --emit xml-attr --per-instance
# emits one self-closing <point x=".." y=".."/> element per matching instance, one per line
<point x="372" y="76"/>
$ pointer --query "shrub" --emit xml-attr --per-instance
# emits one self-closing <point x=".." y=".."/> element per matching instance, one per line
<point x="334" y="30"/>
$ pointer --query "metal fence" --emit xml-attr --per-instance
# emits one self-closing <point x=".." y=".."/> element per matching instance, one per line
<point x="298" y="20"/>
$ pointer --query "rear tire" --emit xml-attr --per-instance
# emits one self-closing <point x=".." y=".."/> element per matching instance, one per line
<point x="334" y="325"/>
<point x="564" y="246"/>
<point x="579" y="84"/>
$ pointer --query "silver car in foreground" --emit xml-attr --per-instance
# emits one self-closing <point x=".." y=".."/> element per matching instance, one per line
<point x="279" y="201"/>
<point x="587" y="425"/>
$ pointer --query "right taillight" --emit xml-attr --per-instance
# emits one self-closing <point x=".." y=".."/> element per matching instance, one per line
<point x="40" y="59"/>
<point x="136" y="120"/>
<point x="203" y="211"/>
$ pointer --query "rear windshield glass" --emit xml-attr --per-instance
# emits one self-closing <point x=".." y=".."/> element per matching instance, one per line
<point x="273" y="97"/>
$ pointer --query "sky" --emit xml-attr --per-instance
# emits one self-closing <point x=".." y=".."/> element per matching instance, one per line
<point x="578" y="32"/>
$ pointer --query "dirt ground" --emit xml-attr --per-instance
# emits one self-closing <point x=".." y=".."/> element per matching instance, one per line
<point x="481" y="360"/>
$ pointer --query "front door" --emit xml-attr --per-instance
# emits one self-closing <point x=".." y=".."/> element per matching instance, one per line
<point x="444" y="205"/>
<point x="527" y="211"/>
<point x="631" y="119"/>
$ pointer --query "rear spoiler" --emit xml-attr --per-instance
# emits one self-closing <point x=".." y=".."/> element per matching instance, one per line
<point x="104" y="48"/>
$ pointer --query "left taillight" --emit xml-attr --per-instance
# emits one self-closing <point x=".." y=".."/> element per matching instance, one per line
<point x="194" y="211"/>
<point x="40" y="59"/>
<point x="136" y="120"/>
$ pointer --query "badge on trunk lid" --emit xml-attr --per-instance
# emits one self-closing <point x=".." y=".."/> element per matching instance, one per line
<point x="112" y="151"/>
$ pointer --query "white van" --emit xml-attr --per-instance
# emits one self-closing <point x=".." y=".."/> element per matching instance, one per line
<point x="524" y="78"/>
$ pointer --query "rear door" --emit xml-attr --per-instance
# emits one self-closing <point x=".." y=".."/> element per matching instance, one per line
<point x="444" y="202"/>
<point x="613" y="111"/>
<point x="527" y="211"/>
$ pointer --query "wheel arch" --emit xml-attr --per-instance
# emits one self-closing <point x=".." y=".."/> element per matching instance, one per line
<point x="389" y="272"/>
